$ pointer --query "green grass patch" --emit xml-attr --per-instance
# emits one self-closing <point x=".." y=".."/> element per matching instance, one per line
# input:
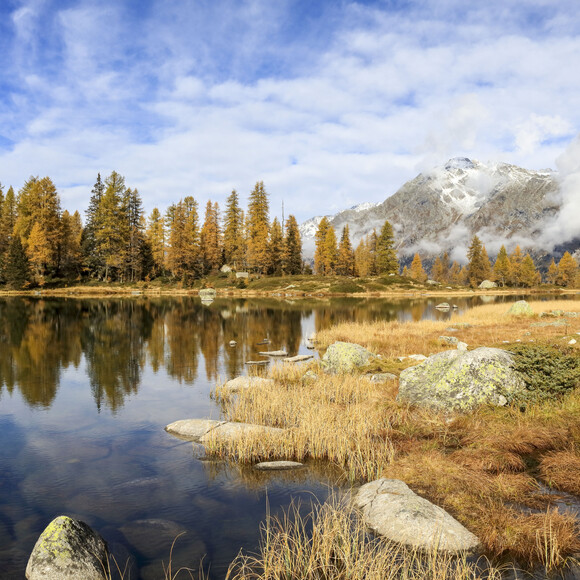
<point x="346" y="287"/>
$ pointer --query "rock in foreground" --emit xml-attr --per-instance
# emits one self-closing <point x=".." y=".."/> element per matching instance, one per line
<point x="457" y="380"/>
<point x="520" y="308"/>
<point x="392" y="510"/>
<point x="344" y="357"/>
<point x="203" y="430"/>
<point x="68" y="549"/>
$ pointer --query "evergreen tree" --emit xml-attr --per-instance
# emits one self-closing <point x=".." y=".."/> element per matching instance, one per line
<point x="345" y="257"/>
<point x="362" y="258"/>
<point x="276" y="248"/>
<point x="330" y="251"/>
<point x="135" y="249"/>
<point x="234" y="232"/>
<point x="258" y="229"/>
<point x="476" y="267"/>
<point x="416" y="271"/>
<point x="8" y="215"/>
<point x="38" y="249"/>
<point x="455" y="274"/>
<point x="193" y="260"/>
<point x="70" y="257"/>
<point x="93" y="262"/>
<point x="502" y="267"/>
<point x="386" y="257"/>
<point x="292" y="248"/>
<point x="17" y="269"/>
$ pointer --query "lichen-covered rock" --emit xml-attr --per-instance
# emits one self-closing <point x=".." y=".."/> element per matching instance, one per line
<point x="382" y="377"/>
<point x="392" y="510"/>
<point x="243" y="383"/>
<point x="68" y="549"/>
<point x="449" y="340"/>
<point x="487" y="284"/>
<point x="458" y="380"/>
<point x="343" y="357"/>
<point x="443" y="306"/>
<point x="207" y="293"/>
<point x="204" y="430"/>
<point x="520" y="308"/>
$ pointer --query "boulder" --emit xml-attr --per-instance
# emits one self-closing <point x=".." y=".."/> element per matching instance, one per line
<point x="309" y="377"/>
<point x="488" y="284"/>
<point x="243" y="383"/>
<point x="392" y="510"/>
<point x="458" y="380"/>
<point x="433" y="283"/>
<point x="443" y="306"/>
<point x="382" y="377"/>
<point x="192" y="429"/>
<point x="520" y="308"/>
<point x="207" y="293"/>
<point x="344" y="357"/>
<point x="66" y="549"/>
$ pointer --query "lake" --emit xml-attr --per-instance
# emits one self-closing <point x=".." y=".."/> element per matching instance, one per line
<point x="86" y="388"/>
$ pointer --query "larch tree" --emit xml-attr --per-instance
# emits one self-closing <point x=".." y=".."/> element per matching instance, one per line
<point x="210" y="239"/>
<point x="345" y="256"/>
<point x="258" y="226"/>
<point x="440" y="269"/>
<point x="567" y="270"/>
<point x="362" y="257"/>
<point x="234" y="232"/>
<point x="70" y="257"/>
<point x="516" y="258"/>
<point x="319" y="252"/>
<point x="386" y="256"/>
<point x="529" y="275"/>
<point x="276" y="248"/>
<point x="552" y="275"/>
<point x="155" y="234"/>
<point x="416" y="270"/>
<point x="38" y="250"/>
<point x="455" y="274"/>
<point x="192" y="238"/>
<point x="502" y="267"/>
<point x="477" y="267"/>
<point x="292" y="247"/>
<point x="330" y="251"/>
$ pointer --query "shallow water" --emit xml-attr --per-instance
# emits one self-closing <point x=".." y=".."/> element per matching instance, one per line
<point x="86" y="387"/>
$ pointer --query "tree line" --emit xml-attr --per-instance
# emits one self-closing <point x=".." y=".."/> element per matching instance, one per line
<point x="118" y="242"/>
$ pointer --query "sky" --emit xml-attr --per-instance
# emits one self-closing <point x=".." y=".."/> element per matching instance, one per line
<point x="330" y="102"/>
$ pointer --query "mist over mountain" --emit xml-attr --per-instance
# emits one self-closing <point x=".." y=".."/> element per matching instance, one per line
<point x="440" y="211"/>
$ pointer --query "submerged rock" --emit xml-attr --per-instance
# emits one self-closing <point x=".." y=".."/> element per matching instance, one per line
<point x="243" y="383"/>
<point x="68" y="549"/>
<point x="392" y="510"/>
<point x="207" y="293"/>
<point x="458" y="380"/>
<point x="278" y="465"/>
<point x="204" y="430"/>
<point x="344" y="357"/>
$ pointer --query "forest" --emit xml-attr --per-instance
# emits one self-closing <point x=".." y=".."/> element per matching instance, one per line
<point x="42" y="244"/>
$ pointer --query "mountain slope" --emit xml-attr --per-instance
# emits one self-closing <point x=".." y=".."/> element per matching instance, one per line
<point x="442" y="210"/>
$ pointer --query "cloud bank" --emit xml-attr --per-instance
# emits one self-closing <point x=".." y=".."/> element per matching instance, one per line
<point x="330" y="103"/>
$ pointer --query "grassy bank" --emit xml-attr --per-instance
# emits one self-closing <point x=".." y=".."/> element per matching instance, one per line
<point x="486" y="468"/>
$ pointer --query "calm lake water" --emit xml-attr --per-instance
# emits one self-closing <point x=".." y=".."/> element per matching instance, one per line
<point x="86" y="388"/>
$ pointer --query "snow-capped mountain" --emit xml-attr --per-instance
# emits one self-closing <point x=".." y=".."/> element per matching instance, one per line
<point x="442" y="209"/>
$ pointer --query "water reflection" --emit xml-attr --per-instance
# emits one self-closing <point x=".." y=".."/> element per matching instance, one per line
<point x="119" y="338"/>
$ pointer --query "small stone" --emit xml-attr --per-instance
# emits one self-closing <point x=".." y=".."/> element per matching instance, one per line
<point x="382" y="377"/>
<point x="573" y="341"/>
<point x="278" y="465"/>
<point x="298" y="358"/>
<point x="309" y="377"/>
<point x="416" y="357"/>
<point x="462" y="346"/>
<point x="233" y="343"/>
<point x="443" y="306"/>
<point x="273" y="353"/>
<point x="449" y="339"/>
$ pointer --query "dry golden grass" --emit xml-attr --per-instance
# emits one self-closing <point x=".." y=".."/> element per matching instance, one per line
<point x="331" y="543"/>
<point x="490" y="325"/>
<point x="481" y="467"/>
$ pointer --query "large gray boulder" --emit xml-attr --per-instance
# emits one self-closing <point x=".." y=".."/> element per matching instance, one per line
<point x="392" y="510"/>
<point x="204" y="430"/>
<point x="458" y="380"/>
<point x="68" y="549"/>
<point x="520" y="308"/>
<point x="487" y="284"/>
<point x="344" y="357"/>
<point x="244" y="383"/>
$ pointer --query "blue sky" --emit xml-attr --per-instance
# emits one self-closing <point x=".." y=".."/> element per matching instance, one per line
<point x="330" y="103"/>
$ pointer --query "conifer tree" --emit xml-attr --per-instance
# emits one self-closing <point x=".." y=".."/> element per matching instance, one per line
<point x="437" y="270"/>
<point x="552" y="275"/>
<point x="476" y="267"/>
<point x="258" y="229"/>
<point x="210" y="239"/>
<point x="405" y="272"/>
<point x="92" y="260"/>
<point x="155" y="234"/>
<point x="70" y="245"/>
<point x="17" y="269"/>
<point x="234" y="232"/>
<point x="345" y="256"/>
<point x="416" y="271"/>
<point x="529" y="276"/>
<point x="502" y="267"/>
<point x="486" y="264"/>
<point x="386" y="257"/>
<point x="516" y="259"/>
<point x="330" y="251"/>
<point x="567" y="270"/>
<point x="8" y="215"/>
<point x="276" y="248"/>
<point x="455" y="274"/>
<point x="292" y="247"/>
<point x="135" y="248"/>
<point x="193" y="260"/>
<point x="38" y="249"/>
<point x="320" y="266"/>
<point x="362" y="258"/>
